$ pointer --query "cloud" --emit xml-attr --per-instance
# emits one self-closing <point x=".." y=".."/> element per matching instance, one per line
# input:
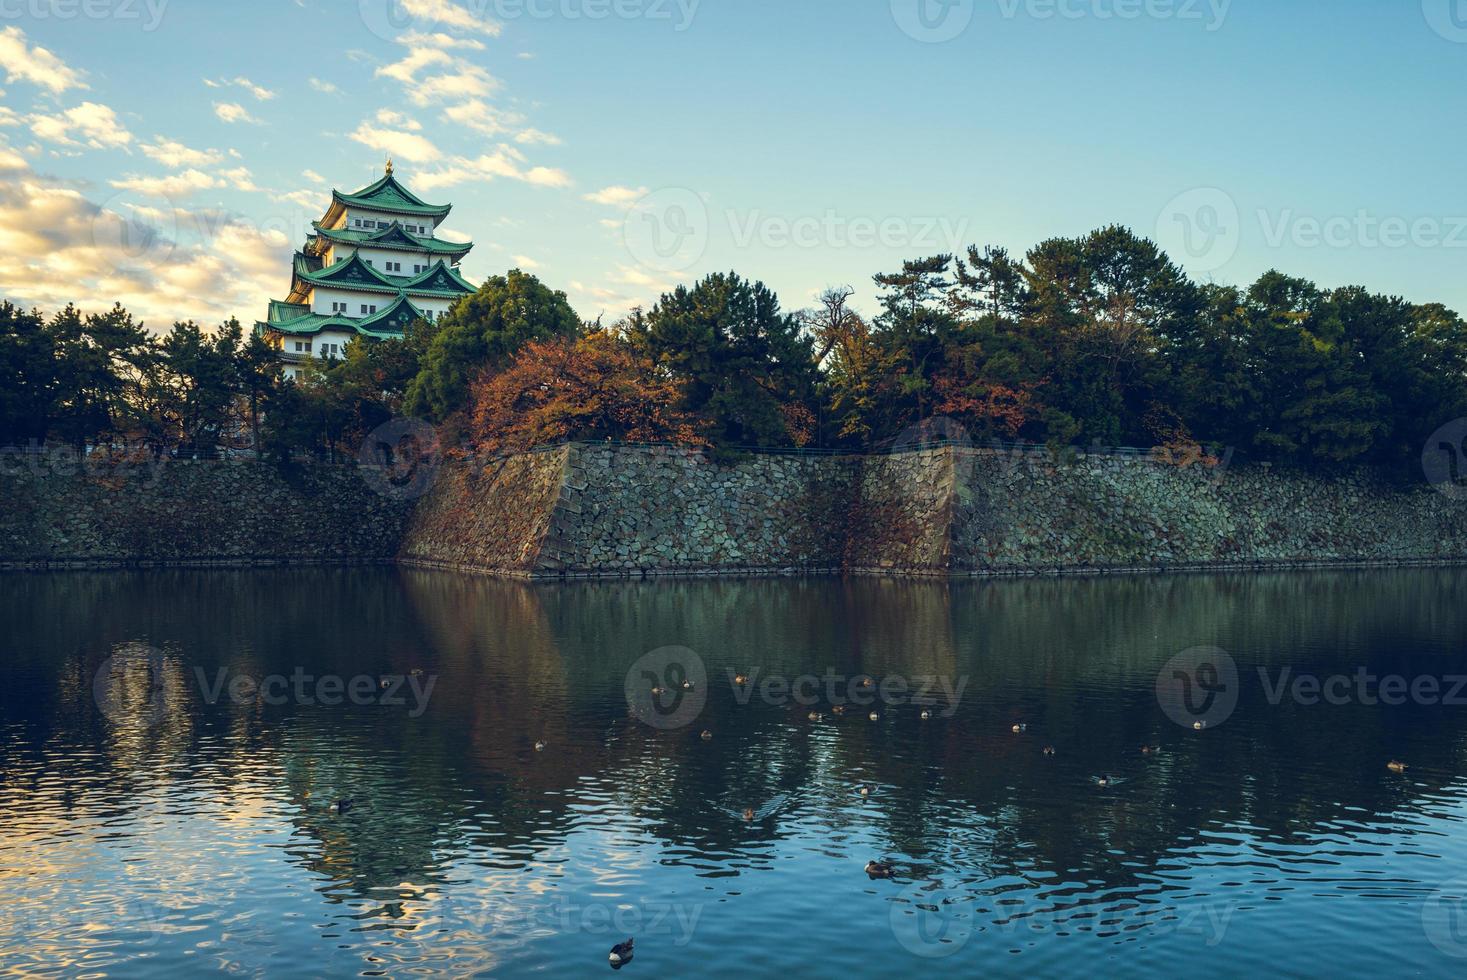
<point x="313" y="177"/>
<point x="324" y="87"/>
<point x="172" y="153"/>
<point x="233" y="112"/>
<point x="430" y="74"/>
<point x="389" y="117"/>
<point x="90" y="124"/>
<point x="532" y="136"/>
<point x="451" y="14"/>
<point x="162" y="263"/>
<point x="396" y="143"/>
<point x="35" y="64"/>
<point x="173" y="187"/>
<point x="305" y="200"/>
<point x="478" y="115"/>
<point x="258" y="91"/>
<point x="617" y="196"/>
<point x="504" y="162"/>
<point x="440" y="40"/>
<point x="525" y="262"/>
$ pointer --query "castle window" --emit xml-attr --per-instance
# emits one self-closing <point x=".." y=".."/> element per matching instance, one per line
<point x="338" y="307"/>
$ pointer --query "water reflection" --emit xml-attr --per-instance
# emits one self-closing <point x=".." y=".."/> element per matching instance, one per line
<point x="151" y="827"/>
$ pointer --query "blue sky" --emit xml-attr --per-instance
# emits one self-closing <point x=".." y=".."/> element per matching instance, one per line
<point x="171" y="153"/>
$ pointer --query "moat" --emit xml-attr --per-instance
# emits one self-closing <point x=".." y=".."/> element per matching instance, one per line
<point x="387" y="772"/>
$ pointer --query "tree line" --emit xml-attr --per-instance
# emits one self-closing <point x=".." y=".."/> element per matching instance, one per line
<point x="1099" y="339"/>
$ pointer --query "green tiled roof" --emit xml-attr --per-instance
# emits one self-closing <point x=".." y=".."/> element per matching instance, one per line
<point x="395" y="237"/>
<point x="390" y="196"/>
<point x="354" y="273"/>
<point x="388" y="323"/>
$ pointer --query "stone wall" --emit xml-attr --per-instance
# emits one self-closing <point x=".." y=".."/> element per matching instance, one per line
<point x="57" y="512"/>
<point x="592" y="511"/>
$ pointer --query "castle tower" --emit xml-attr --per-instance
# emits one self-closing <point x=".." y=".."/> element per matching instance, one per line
<point x="373" y="266"/>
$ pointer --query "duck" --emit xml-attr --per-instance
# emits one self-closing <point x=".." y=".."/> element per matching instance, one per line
<point x="687" y="685"/>
<point x="816" y="716"/>
<point x="1020" y="728"/>
<point x="1394" y="766"/>
<point x="416" y="672"/>
<point x="1198" y="726"/>
<point x="539" y="746"/>
<point x="867" y="683"/>
<point x="621" y="954"/>
<point x="1102" y="781"/>
<point x="707" y="736"/>
<point x="865" y="791"/>
<point x="657" y="692"/>
<point x="741" y="679"/>
<point x="837" y="709"/>
<point x="343" y="807"/>
<point x="879" y="869"/>
<point x="926" y="714"/>
<point x="1149" y="750"/>
<point x="875" y="716"/>
<point x="748" y="814"/>
<point x="1049" y="750"/>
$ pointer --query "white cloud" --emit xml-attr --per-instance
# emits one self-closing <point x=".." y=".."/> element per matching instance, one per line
<point x="430" y="74"/>
<point x="172" y="153"/>
<point x="233" y="112"/>
<point x="389" y="117"/>
<point x="617" y="196"/>
<point x="313" y="177"/>
<point x="396" y="142"/>
<point x="532" y="136"/>
<point x="162" y="263"/>
<point x="440" y="40"/>
<point x="258" y="91"/>
<point x="173" y="187"/>
<point x="525" y="262"/>
<point x="35" y="64"/>
<point x="482" y="118"/>
<point x="451" y="14"/>
<point x="306" y="200"/>
<point x="503" y="162"/>
<point x="90" y="123"/>
<point x="325" y="87"/>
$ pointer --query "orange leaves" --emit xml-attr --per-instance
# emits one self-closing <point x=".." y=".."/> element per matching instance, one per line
<point x="591" y="388"/>
<point x="983" y="405"/>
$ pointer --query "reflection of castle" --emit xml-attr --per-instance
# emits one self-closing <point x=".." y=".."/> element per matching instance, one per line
<point x="373" y="267"/>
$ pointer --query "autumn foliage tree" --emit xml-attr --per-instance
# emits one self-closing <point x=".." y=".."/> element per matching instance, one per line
<point x="590" y="388"/>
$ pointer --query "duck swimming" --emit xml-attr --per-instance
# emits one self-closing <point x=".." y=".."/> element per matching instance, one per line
<point x="707" y="735"/>
<point x="1394" y="766"/>
<point x="865" y="791"/>
<point x="1020" y="729"/>
<point x="748" y="814"/>
<point x="343" y="807"/>
<point x="926" y="714"/>
<point x="621" y="954"/>
<point x="875" y="716"/>
<point x="539" y="746"/>
<point x="816" y="716"/>
<point x="879" y="869"/>
<point x="838" y="709"/>
<point x="1102" y="781"/>
<point x="741" y="679"/>
<point x="1197" y="726"/>
<point x="1049" y="750"/>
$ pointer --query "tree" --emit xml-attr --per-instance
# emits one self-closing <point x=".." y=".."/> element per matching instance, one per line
<point x="593" y="387"/>
<point x="483" y="331"/>
<point x="746" y="369"/>
<point x="28" y="381"/>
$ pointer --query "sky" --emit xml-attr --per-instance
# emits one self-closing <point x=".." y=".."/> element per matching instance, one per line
<point x="171" y="154"/>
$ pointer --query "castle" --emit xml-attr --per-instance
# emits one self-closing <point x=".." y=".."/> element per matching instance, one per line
<point x="373" y="266"/>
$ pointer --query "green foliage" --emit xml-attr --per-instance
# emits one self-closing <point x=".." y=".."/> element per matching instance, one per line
<point x="482" y="332"/>
<point x="745" y="368"/>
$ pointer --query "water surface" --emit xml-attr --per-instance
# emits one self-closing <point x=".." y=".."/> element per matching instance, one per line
<point x="149" y="831"/>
